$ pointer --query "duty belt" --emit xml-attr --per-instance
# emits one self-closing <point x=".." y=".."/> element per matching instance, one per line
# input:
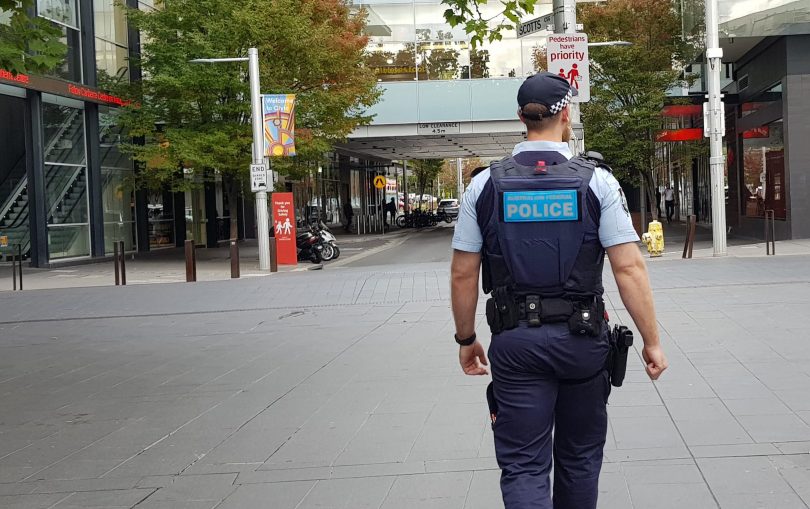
<point x="537" y="310"/>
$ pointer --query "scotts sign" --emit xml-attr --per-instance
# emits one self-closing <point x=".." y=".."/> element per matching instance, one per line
<point x="59" y="87"/>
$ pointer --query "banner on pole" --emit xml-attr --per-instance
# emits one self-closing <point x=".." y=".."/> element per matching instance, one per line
<point x="284" y="228"/>
<point x="279" y="124"/>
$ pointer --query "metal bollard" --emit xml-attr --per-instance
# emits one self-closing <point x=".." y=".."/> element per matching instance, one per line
<point x="116" y="267"/>
<point x="273" y="257"/>
<point x="191" y="262"/>
<point x="770" y="233"/>
<point x="235" y="259"/>
<point x="16" y="268"/>
<point x="123" y="263"/>
<point x="691" y="221"/>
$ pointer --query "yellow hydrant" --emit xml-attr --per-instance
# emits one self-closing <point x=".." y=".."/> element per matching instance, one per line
<point x="654" y="239"/>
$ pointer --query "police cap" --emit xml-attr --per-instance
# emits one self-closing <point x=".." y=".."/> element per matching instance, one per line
<point x="547" y="89"/>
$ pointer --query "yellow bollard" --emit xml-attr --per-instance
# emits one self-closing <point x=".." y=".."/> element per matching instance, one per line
<point x="654" y="239"/>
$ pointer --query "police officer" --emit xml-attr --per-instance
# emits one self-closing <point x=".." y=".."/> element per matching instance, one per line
<point x="538" y="225"/>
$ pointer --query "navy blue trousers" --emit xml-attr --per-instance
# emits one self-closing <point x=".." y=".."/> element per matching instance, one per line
<point x="550" y="407"/>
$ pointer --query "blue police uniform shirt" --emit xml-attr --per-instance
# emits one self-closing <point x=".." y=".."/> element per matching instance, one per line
<point x="615" y="224"/>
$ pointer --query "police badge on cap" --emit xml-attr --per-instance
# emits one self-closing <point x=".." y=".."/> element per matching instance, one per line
<point x="547" y="89"/>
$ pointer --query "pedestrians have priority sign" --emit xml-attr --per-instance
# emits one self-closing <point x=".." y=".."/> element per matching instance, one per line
<point x="258" y="177"/>
<point x="567" y="55"/>
<point x="380" y="181"/>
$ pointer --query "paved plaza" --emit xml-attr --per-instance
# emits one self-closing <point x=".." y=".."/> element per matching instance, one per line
<point x="340" y="388"/>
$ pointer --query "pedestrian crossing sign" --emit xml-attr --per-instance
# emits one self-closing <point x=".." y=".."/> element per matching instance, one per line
<point x="380" y="181"/>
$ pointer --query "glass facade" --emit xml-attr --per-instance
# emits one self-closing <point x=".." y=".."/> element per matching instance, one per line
<point x="65" y="15"/>
<point x="410" y="41"/>
<point x="66" y="204"/>
<point x="117" y="194"/>
<point x="112" y="51"/>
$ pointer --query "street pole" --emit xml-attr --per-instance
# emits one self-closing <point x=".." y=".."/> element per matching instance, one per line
<point x="405" y="205"/>
<point x="714" y="126"/>
<point x="262" y="214"/>
<point x="565" y="22"/>
<point x="459" y="182"/>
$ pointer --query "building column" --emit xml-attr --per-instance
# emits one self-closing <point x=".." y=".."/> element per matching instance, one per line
<point x="179" y="219"/>
<point x="94" y="180"/>
<point x="35" y="169"/>
<point x="211" y="230"/>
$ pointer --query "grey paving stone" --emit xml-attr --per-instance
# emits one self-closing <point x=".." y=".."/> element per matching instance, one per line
<point x="286" y="495"/>
<point x="757" y="406"/>
<point x="706" y="421"/>
<point x="364" y="493"/>
<point x="484" y="492"/>
<point x="776" y="428"/>
<point x="429" y="491"/>
<point x="104" y="499"/>
<point x="795" y="469"/>
<point x="674" y="496"/>
<point x="752" y="482"/>
<point x="721" y="451"/>
<point x="39" y="501"/>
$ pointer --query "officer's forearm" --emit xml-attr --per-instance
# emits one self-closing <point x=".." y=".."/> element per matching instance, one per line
<point x="631" y="276"/>
<point x="464" y="291"/>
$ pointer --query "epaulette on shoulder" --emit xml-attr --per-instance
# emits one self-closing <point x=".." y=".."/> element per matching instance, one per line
<point x="597" y="158"/>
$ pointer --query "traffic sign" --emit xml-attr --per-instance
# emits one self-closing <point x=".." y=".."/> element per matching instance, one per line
<point x="3" y="241"/>
<point x="543" y="23"/>
<point x="567" y="55"/>
<point x="380" y="181"/>
<point x="258" y="177"/>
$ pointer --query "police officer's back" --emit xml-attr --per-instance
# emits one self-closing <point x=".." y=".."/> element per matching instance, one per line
<point x="538" y="225"/>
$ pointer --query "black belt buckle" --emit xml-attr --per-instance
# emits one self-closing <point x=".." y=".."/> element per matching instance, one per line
<point x="533" y="310"/>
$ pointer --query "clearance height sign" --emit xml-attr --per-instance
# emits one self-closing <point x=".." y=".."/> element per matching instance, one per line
<point x="567" y="55"/>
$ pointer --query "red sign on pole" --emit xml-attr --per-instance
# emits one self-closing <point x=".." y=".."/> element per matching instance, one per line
<point x="284" y="228"/>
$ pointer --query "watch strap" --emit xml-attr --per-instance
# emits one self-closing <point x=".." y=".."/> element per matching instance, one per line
<point x="465" y="342"/>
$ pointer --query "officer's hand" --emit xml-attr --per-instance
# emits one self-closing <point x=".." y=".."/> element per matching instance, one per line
<point x="473" y="359"/>
<point x="655" y="361"/>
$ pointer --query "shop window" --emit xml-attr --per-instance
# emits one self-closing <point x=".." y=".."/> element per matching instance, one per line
<point x="160" y="207"/>
<point x="64" y="134"/>
<point x="764" y="186"/>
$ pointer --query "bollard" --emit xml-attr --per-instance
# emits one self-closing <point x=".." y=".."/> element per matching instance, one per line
<point x="691" y="221"/>
<point x="273" y="257"/>
<point x="235" y="259"/>
<point x="123" y="263"/>
<point x="19" y="266"/>
<point x="191" y="262"/>
<point x="770" y="233"/>
<point x="116" y="267"/>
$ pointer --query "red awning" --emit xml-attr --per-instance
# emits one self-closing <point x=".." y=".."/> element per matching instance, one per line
<point x="689" y="134"/>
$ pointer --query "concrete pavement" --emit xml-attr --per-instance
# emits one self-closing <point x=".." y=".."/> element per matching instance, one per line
<point x="340" y="389"/>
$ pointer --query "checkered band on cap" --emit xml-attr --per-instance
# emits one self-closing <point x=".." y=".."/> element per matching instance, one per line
<point x="560" y="105"/>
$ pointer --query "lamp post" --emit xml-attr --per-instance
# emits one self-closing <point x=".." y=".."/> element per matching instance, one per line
<point x="263" y="217"/>
<point x="715" y="128"/>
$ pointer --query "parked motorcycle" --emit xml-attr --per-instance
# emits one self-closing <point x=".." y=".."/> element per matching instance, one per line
<point x="331" y="251"/>
<point x="417" y="219"/>
<point x="310" y="247"/>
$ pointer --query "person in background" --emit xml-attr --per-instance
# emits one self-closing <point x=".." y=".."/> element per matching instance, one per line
<point x="669" y="200"/>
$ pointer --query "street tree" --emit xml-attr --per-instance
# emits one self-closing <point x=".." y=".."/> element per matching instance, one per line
<point x="629" y="84"/>
<point x="448" y="176"/>
<point x="424" y="171"/>
<point x="195" y="118"/>
<point x="28" y="44"/>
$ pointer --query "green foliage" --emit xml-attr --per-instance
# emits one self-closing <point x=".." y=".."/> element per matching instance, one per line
<point x="197" y="116"/>
<point x="28" y="45"/>
<point x="426" y="170"/>
<point x="477" y="25"/>
<point x="629" y="84"/>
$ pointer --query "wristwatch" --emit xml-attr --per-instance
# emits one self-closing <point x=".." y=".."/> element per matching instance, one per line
<point x="465" y="342"/>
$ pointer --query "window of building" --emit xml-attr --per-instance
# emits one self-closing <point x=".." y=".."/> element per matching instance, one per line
<point x="71" y="68"/>
<point x="111" y="39"/>
<point x="764" y="186"/>
<point x="160" y="205"/>
<point x="117" y="190"/>
<point x="64" y="12"/>
<point x="66" y="205"/>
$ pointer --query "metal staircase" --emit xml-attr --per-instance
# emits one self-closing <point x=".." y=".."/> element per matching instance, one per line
<point x="67" y="184"/>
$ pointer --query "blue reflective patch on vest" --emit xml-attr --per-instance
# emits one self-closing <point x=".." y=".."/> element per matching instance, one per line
<point x="540" y="206"/>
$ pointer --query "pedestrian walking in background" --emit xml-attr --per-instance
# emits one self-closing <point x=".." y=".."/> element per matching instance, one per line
<point x="669" y="200"/>
<point x="537" y="225"/>
<point x="348" y="215"/>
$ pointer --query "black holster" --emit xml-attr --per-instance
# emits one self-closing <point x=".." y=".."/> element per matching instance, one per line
<point x="587" y="318"/>
<point x="621" y="339"/>
<point x="502" y="310"/>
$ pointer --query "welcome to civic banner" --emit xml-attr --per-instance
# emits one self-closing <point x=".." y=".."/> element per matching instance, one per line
<point x="279" y="124"/>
